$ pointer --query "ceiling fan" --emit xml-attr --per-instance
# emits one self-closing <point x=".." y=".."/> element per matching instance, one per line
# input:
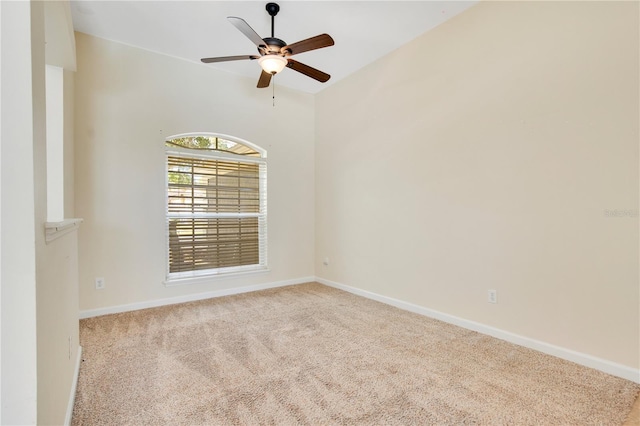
<point x="274" y="53"/>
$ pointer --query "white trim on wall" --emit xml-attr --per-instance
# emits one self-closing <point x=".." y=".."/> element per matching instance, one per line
<point x="74" y="385"/>
<point x="586" y="360"/>
<point x="191" y="297"/>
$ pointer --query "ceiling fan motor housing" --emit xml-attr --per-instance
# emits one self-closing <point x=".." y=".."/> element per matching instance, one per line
<point x="274" y="45"/>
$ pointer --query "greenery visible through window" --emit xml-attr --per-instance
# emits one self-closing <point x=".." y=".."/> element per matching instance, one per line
<point x="212" y="143"/>
<point x="216" y="206"/>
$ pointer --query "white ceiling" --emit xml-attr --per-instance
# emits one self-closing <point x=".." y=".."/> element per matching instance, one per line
<point x="363" y="30"/>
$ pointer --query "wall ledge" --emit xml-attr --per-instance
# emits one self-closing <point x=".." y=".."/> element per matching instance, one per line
<point x="54" y="230"/>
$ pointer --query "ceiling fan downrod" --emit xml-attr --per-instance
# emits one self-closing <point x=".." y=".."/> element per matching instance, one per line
<point x="272" y="10"/>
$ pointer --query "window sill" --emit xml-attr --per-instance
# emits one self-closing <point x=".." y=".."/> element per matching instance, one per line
<point x="55" y="230"/>
<point x="209" y="277"/>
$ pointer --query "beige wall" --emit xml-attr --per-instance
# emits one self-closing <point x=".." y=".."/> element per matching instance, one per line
<point x="57" y="260"/>
<point x="58" y="335"/>
<point x="20" y="122"/>
<point x="57" y="298"/>
<point x="39" y="280"/>
<point x="485" y="155"/>
<point x="127" y="102"/>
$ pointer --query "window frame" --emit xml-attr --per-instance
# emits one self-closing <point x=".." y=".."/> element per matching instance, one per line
<point x="196" y="276"/>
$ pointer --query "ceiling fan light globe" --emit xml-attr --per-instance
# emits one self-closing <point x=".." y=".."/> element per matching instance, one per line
<point x="272" y="64"/>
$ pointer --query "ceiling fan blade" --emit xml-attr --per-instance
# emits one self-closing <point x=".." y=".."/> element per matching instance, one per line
<point x="317" y="42"/>
<point x="246" y="29"/>
<point x="308" y="71"/>
<point x="264" y="80"/>
<point x="229" y="58"/>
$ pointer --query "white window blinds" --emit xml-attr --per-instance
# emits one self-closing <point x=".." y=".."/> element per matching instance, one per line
<point x="216" y="215"/>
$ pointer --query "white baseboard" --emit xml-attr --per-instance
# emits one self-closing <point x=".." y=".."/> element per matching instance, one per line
<point x="74" y="385"/>
<point x="190" y="297"/>
<point x="590" y="361"/>
<point x="600" y="364"/>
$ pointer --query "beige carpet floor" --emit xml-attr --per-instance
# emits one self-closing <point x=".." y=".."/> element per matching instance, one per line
<point x="311" y="354"/>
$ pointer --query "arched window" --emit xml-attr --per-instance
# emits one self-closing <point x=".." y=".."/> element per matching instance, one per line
<point x="216" y="206"/>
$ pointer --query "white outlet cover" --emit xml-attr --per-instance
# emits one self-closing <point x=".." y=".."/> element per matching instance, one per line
<point x="99" y="283"/>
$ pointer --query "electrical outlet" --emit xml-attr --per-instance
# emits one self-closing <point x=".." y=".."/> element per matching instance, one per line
<point x="100" y="283"/>
<point x="325" y="262"/>
<point x="492" y="296"/>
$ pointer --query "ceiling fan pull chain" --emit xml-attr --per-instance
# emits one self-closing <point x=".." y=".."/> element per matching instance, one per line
<point x="273" y="88"/>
